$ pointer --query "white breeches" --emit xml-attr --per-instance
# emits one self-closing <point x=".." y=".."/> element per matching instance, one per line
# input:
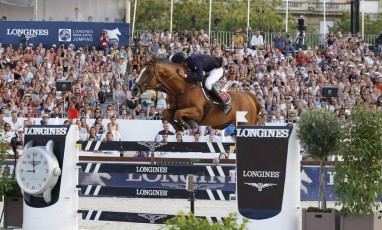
<point x="214" y="76"/>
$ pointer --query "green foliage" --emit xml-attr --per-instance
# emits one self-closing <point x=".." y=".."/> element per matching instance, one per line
<point x="190" y="222"/>
<point x="318" y="129"/>
<point x="371" y="26"/>
<point x="8" y="186"/>
<point x="359" y="175"/>
<point x="233" y="14"/>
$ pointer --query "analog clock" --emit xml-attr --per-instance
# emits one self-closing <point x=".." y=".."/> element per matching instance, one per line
<point x="37" y="171"/>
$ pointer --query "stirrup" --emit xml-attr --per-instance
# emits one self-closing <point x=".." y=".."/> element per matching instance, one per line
<point x="226" y="109"/>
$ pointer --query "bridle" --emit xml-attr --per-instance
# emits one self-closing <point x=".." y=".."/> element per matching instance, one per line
<point x="159" y="86"/>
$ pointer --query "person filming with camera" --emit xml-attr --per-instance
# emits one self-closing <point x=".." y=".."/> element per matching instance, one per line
<point x="104" y="42"/>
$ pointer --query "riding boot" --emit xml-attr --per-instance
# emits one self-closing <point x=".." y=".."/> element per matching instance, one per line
<point x="215" y="92"/>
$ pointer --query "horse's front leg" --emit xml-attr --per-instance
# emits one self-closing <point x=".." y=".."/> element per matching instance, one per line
<point x="191" y="113"/>
<point x="168" y="114"/>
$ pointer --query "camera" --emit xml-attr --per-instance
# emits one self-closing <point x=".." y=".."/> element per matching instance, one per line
<point x="301" y="23"/>
<point x="15" y="142"/>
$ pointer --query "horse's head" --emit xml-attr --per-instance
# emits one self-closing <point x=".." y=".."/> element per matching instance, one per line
<point x="146" y="80"/>
<point x="117" y="32"/>
<point x="162" y="76"/>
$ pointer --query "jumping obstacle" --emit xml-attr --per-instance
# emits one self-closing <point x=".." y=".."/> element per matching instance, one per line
<point x="204" y="147"/>
<point x="154" y="193"/>
<point x="211" y="182"/>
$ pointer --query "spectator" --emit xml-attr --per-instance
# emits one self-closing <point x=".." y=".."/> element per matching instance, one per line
<point x="289" y="45"/>
<point x="179" y="137"/>
<point x="7" y="128"/>
<point x="77" y="16"/>
<point x="108" y="137"/>
<point x="237" y="40"/>
<point x="257" y="41"/>
<point x="278" y="42"/>
<point x="196" y="137"/>
<point x="115" y="134"/>
<point x="15" y="122"/>
<point x="145" y="40"/>
<point x="93" y="135"/>
<point x="166" y="129"/>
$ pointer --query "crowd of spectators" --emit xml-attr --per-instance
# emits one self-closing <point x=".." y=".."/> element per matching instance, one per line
<point x="287" y="81"/>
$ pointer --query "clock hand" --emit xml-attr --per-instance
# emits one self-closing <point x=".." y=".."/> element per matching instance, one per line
<point x="33" y="163"/>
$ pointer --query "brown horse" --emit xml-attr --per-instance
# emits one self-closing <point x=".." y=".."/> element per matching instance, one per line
<point x="187" y="100"/>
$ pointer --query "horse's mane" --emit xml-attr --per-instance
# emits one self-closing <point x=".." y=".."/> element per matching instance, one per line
<point x="175" y="65"/>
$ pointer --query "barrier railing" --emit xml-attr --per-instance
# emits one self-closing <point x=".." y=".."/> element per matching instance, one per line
<point x="121" y="146"/>
<point x="224" y="38"/>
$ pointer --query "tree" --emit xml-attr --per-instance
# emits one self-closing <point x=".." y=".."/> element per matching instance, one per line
<point x="233" y="14"/>
<point x="359" y="174"/>
<point x="318" y="130"/>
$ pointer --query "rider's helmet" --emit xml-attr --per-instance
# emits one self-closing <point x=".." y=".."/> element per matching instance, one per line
<point x="178" y="58"/>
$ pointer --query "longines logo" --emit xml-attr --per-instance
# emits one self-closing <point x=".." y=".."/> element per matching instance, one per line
<point x="64" y="35"/>
<point x="29" y="33"/>
<point x="46" y="131"/>
<point x="270" y="174"/>
<point x="151" y="169"/>
<point x="151" y="217"/>
<point x="178" y="179"/>
<point x="280" y="133"/>
<point x="260" y="186"/>
<point x="151" y="192"/>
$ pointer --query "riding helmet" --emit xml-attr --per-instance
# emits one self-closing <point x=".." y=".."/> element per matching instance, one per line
<point x="178" y="57"/>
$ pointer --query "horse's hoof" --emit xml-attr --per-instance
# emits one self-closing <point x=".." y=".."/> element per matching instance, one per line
<point x="192" y="124"/>
<point x="185" y="125"/>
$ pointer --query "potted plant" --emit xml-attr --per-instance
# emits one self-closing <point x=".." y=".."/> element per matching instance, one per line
<point x="318" y="130"/>
<point x="9" y="189"/>
<point x="190" y="222"/>
<point x="359" y="173"/>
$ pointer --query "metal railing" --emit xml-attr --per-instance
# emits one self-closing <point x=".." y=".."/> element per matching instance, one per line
<point x="224" y="38"/>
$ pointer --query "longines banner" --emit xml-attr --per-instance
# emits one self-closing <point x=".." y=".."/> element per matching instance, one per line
<point x="261" y="169"/>
<point x="174" y="177"/>
<point x="49" y="33"/>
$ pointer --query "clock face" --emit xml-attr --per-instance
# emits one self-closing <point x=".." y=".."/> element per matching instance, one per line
<point x="34" y="170"/>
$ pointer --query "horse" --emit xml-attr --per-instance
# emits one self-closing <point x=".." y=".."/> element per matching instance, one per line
<point x="113" y="35"/>
<point x="188" y="104"/>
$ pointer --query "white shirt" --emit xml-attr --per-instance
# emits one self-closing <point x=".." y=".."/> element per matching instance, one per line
<point x="257" y="40"/>
<point x="78" y="18"/>
<point x="16" y="126"/>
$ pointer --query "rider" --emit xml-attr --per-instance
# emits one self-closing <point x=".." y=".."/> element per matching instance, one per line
<point x="199" y="63"/>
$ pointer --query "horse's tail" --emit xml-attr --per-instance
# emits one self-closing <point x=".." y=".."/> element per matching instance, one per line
<point x="258" y="107"/>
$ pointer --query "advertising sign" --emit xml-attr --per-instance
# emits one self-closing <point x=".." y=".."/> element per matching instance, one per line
<point x="50" y="33"/>
<point x="261" y="169"/>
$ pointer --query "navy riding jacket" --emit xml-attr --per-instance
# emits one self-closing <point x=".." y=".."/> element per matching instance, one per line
<point x="197" y="63"/>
